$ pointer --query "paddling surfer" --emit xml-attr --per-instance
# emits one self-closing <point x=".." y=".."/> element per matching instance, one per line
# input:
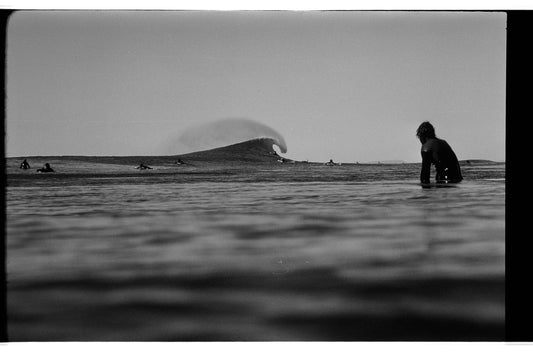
<point x="142" y="167"/>
<point x="437" y="151"/>
<point x="45" y="169"/>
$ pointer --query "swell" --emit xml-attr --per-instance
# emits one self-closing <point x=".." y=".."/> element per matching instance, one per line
<point x="254" y="150"/>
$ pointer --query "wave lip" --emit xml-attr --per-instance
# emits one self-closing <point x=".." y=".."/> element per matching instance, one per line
<point x="269" y="142"/>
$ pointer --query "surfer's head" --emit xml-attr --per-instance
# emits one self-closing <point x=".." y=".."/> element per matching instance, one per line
<point x="425" y="131"/>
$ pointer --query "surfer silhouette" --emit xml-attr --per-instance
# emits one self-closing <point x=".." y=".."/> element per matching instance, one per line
<point x="45" y="169"/>
<point x="330" y="162"/>
<point x="142" y="167"/>
<point x="180" y="161"/>
<point x="25" y="165"/>
<point x="437" y="152"/>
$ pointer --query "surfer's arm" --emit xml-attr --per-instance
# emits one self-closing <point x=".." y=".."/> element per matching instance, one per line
<point x="426" y="167"/>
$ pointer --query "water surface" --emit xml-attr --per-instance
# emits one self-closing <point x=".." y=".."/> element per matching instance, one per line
<point x="280" y="252"/>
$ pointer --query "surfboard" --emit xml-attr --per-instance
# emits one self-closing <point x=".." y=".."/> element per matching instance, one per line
<point x="438" y="185"/>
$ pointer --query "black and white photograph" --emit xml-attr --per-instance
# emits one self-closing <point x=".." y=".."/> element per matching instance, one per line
<point x="229" y="176"/>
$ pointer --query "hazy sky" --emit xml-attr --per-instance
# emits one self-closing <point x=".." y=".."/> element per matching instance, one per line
<point x="351" y="86"/>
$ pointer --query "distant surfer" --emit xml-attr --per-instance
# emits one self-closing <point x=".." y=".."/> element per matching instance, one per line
<point x="180" y="161"/>
<point x="25" y="165"/>
<point x="330" y="162"/>
<point x="45" y="169"/>
<point x="142" y="167"/>
<point x="438" y="152"/>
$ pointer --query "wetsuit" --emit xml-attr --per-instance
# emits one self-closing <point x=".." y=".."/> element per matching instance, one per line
<point x="438" y="152"/>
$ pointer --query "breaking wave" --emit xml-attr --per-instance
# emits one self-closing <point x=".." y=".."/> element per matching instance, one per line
<point x="227" y="132"/>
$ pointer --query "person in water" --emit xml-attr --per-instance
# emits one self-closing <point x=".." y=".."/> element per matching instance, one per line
<point x="25" y="165"/>
<point x="438" y="152"/>
<point x="142" y="166"/>
<point x="330" y="162"/>
<point x="45" y="169"/>
<point x="180" y="161"/>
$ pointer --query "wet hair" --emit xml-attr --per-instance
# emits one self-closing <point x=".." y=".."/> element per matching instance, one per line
<point x="425" y="130"/>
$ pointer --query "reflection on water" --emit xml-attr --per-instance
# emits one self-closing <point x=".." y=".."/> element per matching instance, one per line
<point x="252" y="257"/>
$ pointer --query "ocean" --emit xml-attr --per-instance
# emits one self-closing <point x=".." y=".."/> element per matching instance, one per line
<point x="255" y="252"/>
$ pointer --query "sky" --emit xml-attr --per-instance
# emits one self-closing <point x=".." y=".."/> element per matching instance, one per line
<point x="348" y="86"/>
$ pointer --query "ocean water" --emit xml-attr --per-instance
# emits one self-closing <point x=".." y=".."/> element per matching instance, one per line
<point x="258" y="253"/>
